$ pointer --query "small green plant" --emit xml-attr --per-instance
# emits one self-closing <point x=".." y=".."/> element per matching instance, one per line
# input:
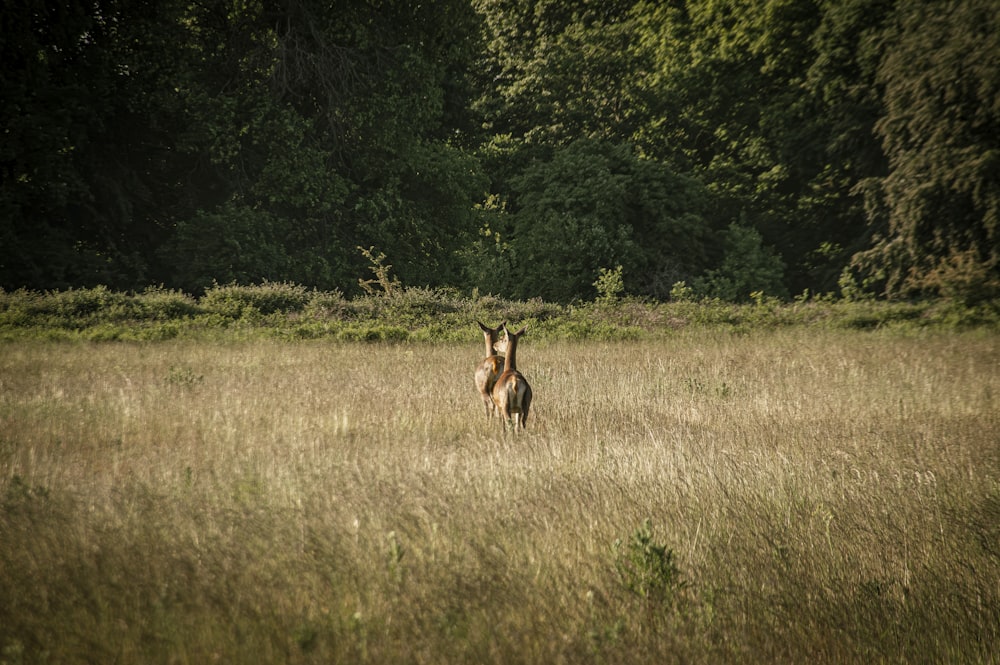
<point x="693" y="385"/>
<point x="761" y="299"/>
<point x="681" y="292"/>
<point x="609" y="285"/>
<point x="12" y="652"/>
<point x="183" y="376"/>
<point x="306" y="636"/>
<point x="395" y="556"/>
<point x="646" y="568"/>
<point x="19" y="492"/>
<point x="384" y="279"/>
<point x="851" y="290"/>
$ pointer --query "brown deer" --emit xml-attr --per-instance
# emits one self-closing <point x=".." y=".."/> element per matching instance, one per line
<point x="511" y="392"/>
<point x="489" y="368"/>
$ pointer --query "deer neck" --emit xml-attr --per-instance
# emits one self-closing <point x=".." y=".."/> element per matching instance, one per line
<point x="510" y="357"/>
<point x="491" y="340"/>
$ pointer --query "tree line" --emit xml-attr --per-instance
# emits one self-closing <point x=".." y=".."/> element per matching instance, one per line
<point x="524" y="148"/>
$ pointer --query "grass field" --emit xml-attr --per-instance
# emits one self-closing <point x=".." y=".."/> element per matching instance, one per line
<point x="792" y="496"/>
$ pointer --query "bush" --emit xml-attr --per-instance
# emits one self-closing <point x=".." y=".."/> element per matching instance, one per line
<point x="75" y="308"/>
<point x="610" y="285"/>
<point x="646" y="568"/>
<point x="161" y="304"/>
<point x="748" y="267"/>
<point x="373" y="333"/>
<point x="439" y="315"/>
<point x="236" y="301"/>
<point x="326" y="304"/>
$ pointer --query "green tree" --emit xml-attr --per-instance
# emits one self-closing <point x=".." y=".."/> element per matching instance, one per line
<point x="838" y="129"/>
<point x="747" y="267"/>
<point x="937" y="211"/>
<point x="554" y="72"/>
<point x="88" y="176"/>
<point x="729" y="105"/>
<point x="145" y="140"/>
<point x="572" y="196"/>
<point x="594" y="205"/>
<point x="346" y="129"/>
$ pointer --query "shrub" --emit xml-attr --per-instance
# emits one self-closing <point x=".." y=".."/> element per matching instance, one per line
<point x="646" y="568"/>
<point x="161" y="304"/>
<point x="421" y="303"/>
<point x="681" y="292"/>
<point x="81" y="307"/>
<point x="609" y="285"/>
<point x="326" y="304"/>
<point x="236" y="301"/>
<point x="962" y="276"/>
<point x="16" y="307"/>
<point x="372" y="333"/>
<point x="74" y="308"/>
<point x="748" y="266"/>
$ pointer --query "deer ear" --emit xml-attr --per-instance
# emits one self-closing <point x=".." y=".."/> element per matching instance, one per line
<point x="521" y="331"/>
<point x="482" y="327"/>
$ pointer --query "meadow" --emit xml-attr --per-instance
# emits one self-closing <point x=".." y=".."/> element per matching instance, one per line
<point x="711" y="496"/>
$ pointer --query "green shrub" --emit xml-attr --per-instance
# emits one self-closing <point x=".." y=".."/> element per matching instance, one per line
<point x="161" y="304"/>
<point x="102" y="332"/>
<point x="610" y="285"/>
<point x="373" y="333"/>
<point x="748" y="267"/>
<point x="326" y="304"/>
<point x="156" y="333"/>
<point x="646" y="568"/>
<point x="682" y="292"/>
<point x="953" y="314"/>
<point x="870" y="314"/>
<point x="74" y="308"/>
<point x="421" y="303"/>
<point x="235" y="301"/>
<point x="580" y="328"/>
<point x="440" y="315"/>
<point x="83" y="303"/>
<point x="16" y="307"/>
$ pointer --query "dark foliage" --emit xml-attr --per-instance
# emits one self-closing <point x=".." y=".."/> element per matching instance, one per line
<point x="514" y="148"/>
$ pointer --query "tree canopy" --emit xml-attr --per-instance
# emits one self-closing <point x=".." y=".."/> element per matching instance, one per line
<point x="516" y="148"/>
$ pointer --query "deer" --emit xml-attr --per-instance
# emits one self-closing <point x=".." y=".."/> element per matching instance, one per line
<point x="511" y="392"/>
<point x="489" y="368"/>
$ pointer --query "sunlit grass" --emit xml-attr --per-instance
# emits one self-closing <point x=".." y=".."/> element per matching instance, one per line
<point x="823" y="496"/>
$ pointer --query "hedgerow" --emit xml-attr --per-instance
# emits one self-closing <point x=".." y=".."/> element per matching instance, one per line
<point x="291" y="311"/>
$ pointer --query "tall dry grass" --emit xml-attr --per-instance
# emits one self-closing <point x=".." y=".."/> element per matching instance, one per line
<point x="811" y="496"/>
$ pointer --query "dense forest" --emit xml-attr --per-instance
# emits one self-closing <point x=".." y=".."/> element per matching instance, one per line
<point x="524" y="148"/>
